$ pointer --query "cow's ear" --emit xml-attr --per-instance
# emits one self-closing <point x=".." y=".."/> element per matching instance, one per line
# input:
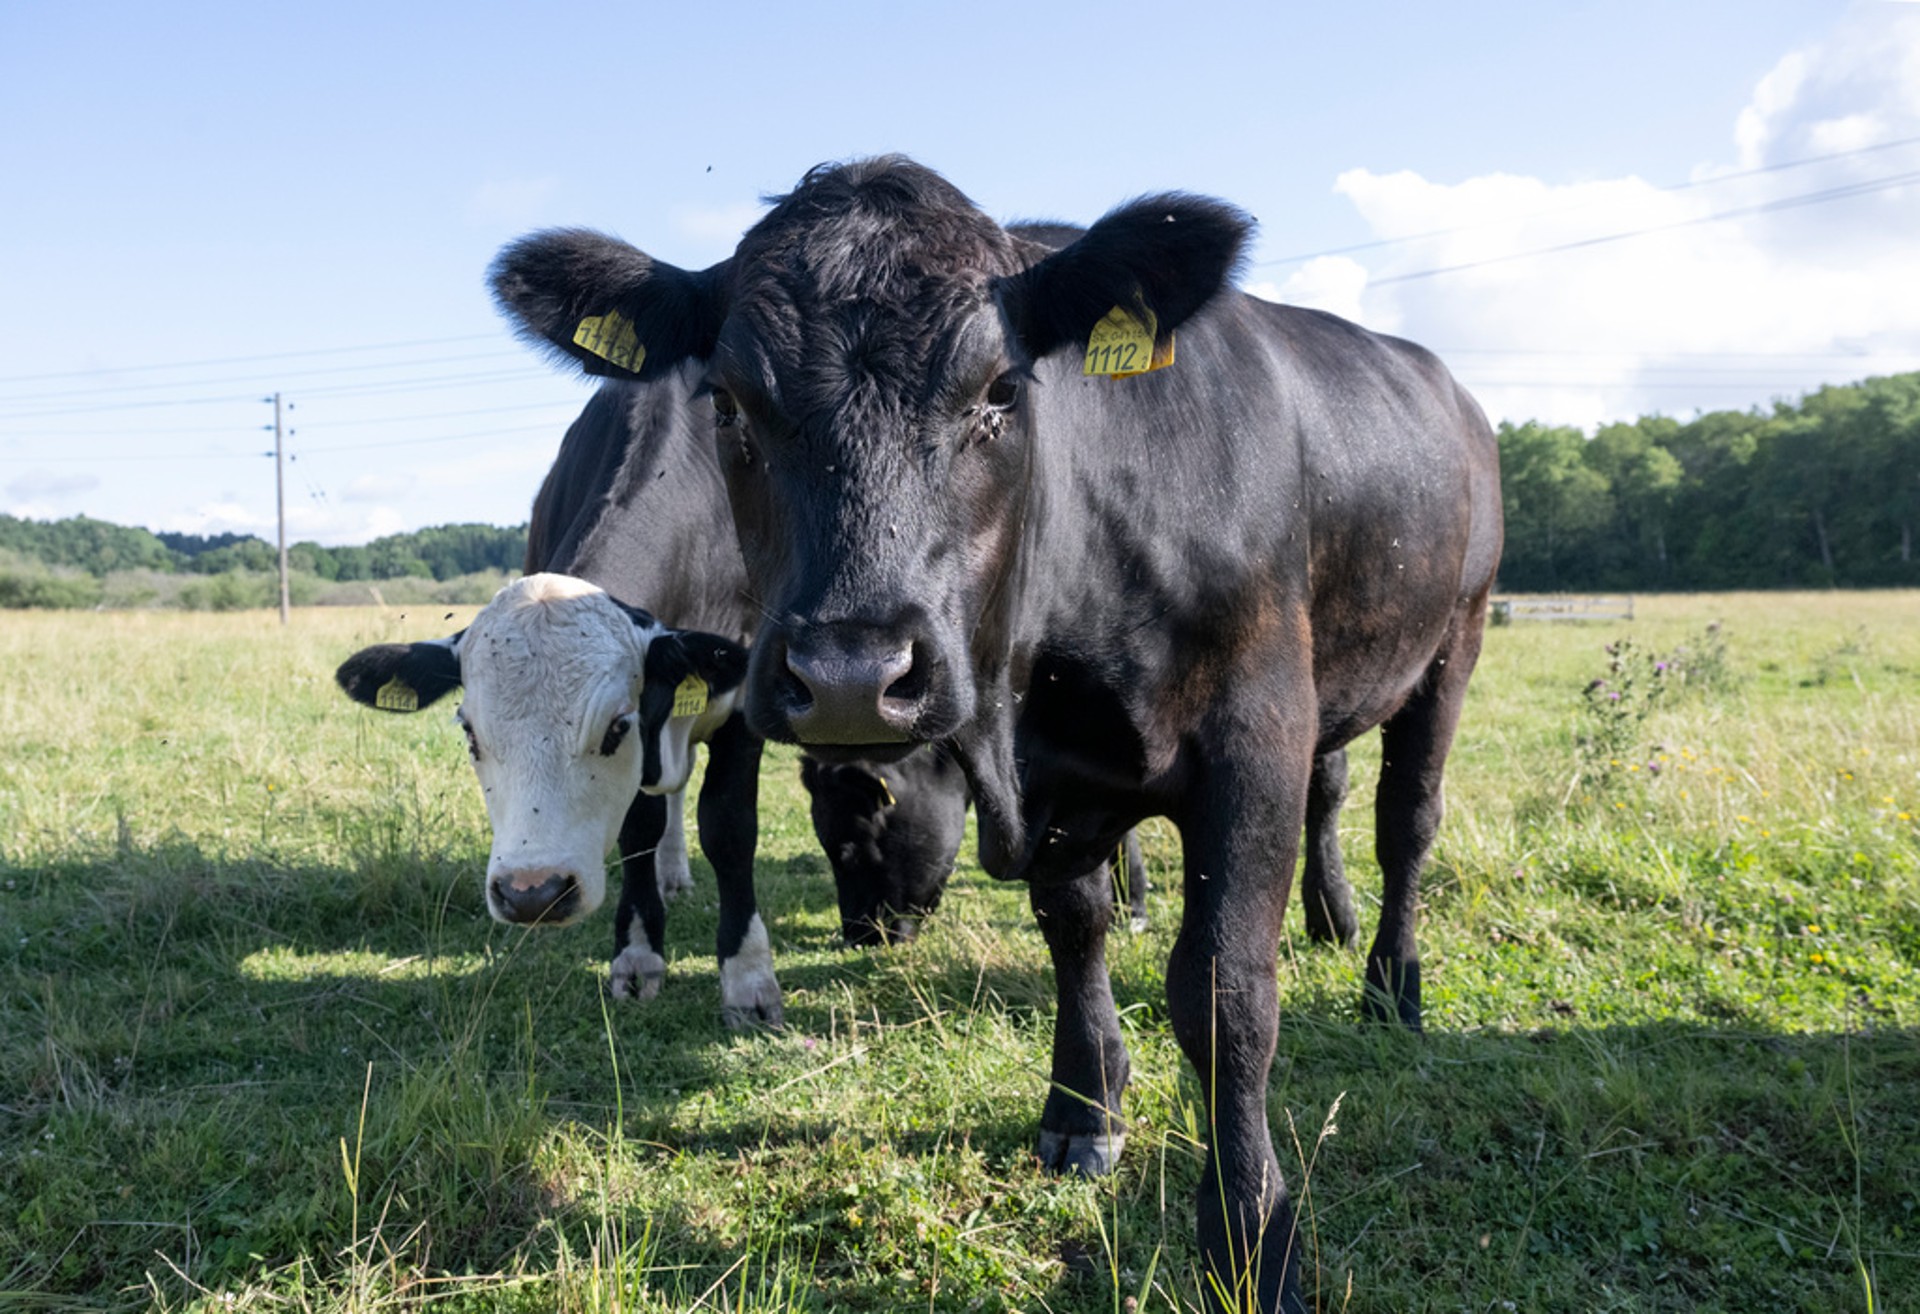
<point x="402" y="677"/>
<point x="1170" y="254"/>
<point x="607" y="307"/>
<point x="722" y="663"/>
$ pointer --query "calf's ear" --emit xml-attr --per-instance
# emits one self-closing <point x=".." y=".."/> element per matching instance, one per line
<point x="401" y="677"/>
<point x="1170" y="254"/>
<point x="607" y="307"/>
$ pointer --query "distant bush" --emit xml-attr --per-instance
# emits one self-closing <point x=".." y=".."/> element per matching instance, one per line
<point x="28" y="583"/>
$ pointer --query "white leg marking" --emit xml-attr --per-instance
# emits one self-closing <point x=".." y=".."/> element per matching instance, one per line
<point x="637" y="970"/>
<point x="748" y="991"/>
<point x="670" y="865"/>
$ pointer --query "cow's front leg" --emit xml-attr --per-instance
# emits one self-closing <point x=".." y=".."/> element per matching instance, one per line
<point x="1240" y="836"/>
<point x="1081" y="1127"/>
<point x="640" y="920"/>
<point x="729" y="834"/>
<point x="671" y="863"/>
<point x="1325" y="896"/>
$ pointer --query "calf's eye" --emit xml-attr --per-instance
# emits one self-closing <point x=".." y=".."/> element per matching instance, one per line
<point x="473" y="741"/>
<point x="725" y="409"/>
<point x="616" y="735"/>
<point x="1003" y="392"/>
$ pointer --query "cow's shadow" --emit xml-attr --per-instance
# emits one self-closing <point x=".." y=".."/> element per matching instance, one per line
<point x="314" y="986"/>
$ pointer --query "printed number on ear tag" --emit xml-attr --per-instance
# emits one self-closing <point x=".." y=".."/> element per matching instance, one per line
<point x="1123" y="345"/>
<point x="611" y="337"/>
<point x="690" y="699"/>
<point x="396" y="695"/>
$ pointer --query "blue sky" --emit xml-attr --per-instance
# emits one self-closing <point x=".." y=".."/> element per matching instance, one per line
<point x="202" y="203"/>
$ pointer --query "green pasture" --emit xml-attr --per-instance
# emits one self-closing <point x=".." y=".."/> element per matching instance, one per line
<point x="261" y="1048"/>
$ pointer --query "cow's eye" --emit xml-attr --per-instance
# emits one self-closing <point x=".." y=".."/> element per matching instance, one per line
<point x="1003" y="392"/>
<point x="726" y="410"/>
<point x="616" y="735"/>
<point x="473" y="740"/>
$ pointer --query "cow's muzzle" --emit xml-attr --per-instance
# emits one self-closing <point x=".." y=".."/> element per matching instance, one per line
<point x="548" y="896"/>
<point x="862" y="690"/>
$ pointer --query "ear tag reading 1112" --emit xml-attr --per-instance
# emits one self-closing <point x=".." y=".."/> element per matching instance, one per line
<point x="396" y="695"/>
<point x="612" y="338"/>
<point x="690" y="699"/>
<point x="1123" y="345"/>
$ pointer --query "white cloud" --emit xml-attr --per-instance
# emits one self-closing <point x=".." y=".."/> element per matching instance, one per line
<point x="377" y="487"/>
<point x="1694" y="311"/>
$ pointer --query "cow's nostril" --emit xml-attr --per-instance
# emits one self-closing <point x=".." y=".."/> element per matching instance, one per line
<point x="527" y="897"/>
<point x="910" y="686"/>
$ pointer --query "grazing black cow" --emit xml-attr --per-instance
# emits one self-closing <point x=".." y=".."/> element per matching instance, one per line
<point x="891" y="833"/>
<point x="1108" y="598"/>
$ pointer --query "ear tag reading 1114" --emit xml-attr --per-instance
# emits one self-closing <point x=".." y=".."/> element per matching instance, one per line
<point x="1123" y="345"/>
<point x="612" y="338"/>
<point x="396" y="695"/>
<point x="690" y="699"/>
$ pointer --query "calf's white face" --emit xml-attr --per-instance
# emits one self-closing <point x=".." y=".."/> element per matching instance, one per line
<point x="573" y="704"/>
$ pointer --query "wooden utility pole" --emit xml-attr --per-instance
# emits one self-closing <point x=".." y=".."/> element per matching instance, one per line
<point x="280" y="501"/>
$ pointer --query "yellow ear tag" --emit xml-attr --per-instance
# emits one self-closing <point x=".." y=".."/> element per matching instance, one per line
<point x="396" y="695"/>
<point x="1122" y="345"/>
<point x="611" y="337"/>
<point x="886" y="791"/>
<point x="690" y="699"/>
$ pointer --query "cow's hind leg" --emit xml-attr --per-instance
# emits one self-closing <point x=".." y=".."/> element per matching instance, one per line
<point x="1325" y="896"/>
<point x="640" y="920"/>
<point x="1407" y="811"/>
<point x="1129" y="871"/>
<point x="729" y="834"/>
<point x="1081" y="1127"/>
<point x="1240" y="839"/>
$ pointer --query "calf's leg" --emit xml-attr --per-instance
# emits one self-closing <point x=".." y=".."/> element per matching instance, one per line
<point x="729" y="835"/>
<point x="640" y="919"/>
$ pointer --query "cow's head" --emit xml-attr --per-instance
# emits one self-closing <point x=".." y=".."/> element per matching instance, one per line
<point x="574" y="702"/>
<point x="891" y="832"/>
<point x="870" y="349"/>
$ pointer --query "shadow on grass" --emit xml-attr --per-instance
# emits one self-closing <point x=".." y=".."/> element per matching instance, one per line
<point x="190" y="1037"/>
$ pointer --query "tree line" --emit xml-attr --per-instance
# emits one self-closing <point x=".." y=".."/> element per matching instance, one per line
<point x="1822" y="492"/>
<point x="98" y="548"/>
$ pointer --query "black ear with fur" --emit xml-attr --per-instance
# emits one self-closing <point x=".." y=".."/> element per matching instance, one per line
<point x="722" y="663"/>
<point x="401" y="677"/>
<point x="1173" y="252"/>
<point x="609" y="308"/>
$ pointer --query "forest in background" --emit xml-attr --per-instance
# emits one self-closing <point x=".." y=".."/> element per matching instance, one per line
<point x="1820" y="492"/>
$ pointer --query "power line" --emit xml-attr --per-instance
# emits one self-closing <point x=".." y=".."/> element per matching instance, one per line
<point x="1847" y="192"/>
<point x="246" y="378"/>
<point x="245" y="360"/>
<point x="1378" y="242"/>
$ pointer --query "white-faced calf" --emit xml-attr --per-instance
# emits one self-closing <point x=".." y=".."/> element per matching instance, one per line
<point x="581" y="712"/>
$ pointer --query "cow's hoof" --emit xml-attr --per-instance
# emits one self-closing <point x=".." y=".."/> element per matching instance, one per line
<point x="637" y="974"/>
<point x="749" y="993"/>
<point x="1080" y="1154"/>
<point x="1137" y="923"/>
<point x="1392" y="994"/>
<point x="674" y="881"/>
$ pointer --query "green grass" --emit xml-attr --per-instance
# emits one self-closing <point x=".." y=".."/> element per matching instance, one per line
<point x="260" y="1046"/>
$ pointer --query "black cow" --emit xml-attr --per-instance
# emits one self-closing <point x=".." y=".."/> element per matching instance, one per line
<point x="891" y="833"/>
<point x="1108" y="599"/>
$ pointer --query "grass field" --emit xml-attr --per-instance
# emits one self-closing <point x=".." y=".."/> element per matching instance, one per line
<point x="260" y="1046"/>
